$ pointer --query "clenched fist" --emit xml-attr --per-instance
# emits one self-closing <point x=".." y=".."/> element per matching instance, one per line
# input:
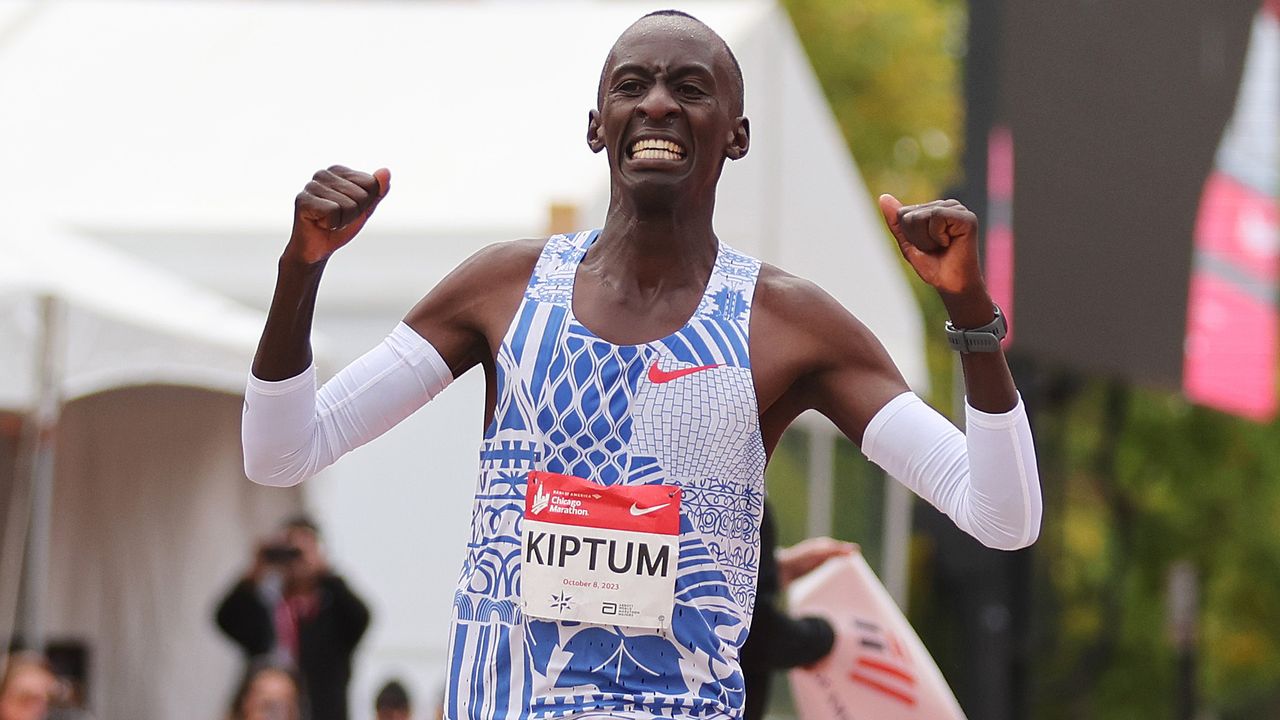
<point x="940" y="240"/>
<point x="332" y="209"/>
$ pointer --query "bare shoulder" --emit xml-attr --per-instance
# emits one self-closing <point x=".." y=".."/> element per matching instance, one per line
<point x="778" y="291"/>
<point x="465" y="315"/>
<point x="491" y="270"/>
<point x="809" y="352"/>
<point x="797" y="312"/>
<point x="501" y="261"/>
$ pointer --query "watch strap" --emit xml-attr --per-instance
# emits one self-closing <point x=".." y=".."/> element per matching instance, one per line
<point x="980" y="339"/>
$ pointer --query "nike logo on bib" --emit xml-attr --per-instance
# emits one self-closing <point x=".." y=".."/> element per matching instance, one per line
<point x="638" y="511"/>
<point x="659" y="376"/>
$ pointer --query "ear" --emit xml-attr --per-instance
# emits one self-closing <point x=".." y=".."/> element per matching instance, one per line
<point x="595" y="134"/>
<point x="740" y="141"/>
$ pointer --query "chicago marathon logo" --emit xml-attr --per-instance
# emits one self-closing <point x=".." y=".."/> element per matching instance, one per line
<point x="540" y="499"/>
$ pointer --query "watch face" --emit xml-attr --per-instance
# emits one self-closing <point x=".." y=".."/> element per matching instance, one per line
<point x="999" y="326"/>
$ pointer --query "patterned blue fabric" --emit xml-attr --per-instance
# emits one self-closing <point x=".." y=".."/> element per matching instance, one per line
<point x="569" y="402"/>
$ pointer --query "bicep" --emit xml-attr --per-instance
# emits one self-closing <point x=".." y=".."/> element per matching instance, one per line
<point x="810" y="353"/>
<point x="463" y="315"/>
<point x="855" y="377"/>
<point x="441" y="318"/>
<point x="290" y="431"/>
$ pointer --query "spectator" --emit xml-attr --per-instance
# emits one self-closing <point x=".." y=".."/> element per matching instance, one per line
<point x="27" y="688"/>
<point x="270" y="690"/>
<point x="392" y="702"/>
<point x="778" y="641"/>
<point x="292" y="607"/>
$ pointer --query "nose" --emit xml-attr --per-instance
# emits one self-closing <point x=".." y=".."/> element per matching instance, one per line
<point x="658" y="103"/>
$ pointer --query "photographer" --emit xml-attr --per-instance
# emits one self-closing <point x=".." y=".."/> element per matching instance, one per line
<point x="292" y="607"/>
<point x="27" y="685"/>
<point x="777" y="640"/>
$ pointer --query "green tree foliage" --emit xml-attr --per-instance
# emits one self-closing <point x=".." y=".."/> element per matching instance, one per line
<point x="890" y="71"/>
<point x="1150" y="480"/>
<point x="1135" y="480"/>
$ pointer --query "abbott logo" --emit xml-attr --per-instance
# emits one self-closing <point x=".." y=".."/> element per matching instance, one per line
<point x="541" y="499"/>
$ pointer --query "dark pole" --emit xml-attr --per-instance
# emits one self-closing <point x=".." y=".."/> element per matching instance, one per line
<point x="999" y="587"/>
<point x="981" y="98"/>
<point x="1183" y="598"/>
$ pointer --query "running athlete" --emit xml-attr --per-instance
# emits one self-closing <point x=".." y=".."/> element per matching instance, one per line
<point x="638" y="378"/>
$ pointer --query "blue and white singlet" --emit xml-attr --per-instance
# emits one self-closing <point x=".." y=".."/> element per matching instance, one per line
<point x="569" y="402"/>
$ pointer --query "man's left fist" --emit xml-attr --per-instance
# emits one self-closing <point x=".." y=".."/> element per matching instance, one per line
<point x="939" y="239"/>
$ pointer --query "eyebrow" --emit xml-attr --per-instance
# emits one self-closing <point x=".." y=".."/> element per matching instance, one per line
<point x="689" y="68"/>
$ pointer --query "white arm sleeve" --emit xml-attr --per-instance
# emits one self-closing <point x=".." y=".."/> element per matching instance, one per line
<point x="985" y="481"/>
<point x="290" y="432"/>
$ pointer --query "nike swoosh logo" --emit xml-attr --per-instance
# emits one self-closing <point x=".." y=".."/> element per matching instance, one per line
<point x="658" y="375"/>
<point x="637" y="511"/>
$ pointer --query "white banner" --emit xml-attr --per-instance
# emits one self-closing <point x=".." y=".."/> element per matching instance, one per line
<point x="878" y="669"/>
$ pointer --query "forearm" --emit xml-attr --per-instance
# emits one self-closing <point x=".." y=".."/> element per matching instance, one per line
<point x="327" y="214"/>
<point x="285" y="348"/>
<point x="290" y="431"/>
<point x="986" y="481"/>
<point x="780" y="642"/>
<point x="988" y="384"/>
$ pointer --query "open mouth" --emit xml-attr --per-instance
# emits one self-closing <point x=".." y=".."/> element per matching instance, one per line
<point x="656" y="150"/>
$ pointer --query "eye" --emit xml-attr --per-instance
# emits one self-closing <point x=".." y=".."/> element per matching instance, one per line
<point x="690" y="90"/>
<point x="628" y="87"/>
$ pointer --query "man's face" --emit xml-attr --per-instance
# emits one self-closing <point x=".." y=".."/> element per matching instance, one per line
<point x="310" y="561"/>
<point x="668" y="113"/>
<point x="272" y="696"/>
<point x="26" y="696"/>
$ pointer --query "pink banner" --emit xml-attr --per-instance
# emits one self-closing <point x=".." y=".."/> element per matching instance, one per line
<point x="1231" y="346"/>
<point x="998" y="262"/>
<point x="1231" y="314"/>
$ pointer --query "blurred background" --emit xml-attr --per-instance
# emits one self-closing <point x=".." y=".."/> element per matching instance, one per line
<point x="1122" y="156"/>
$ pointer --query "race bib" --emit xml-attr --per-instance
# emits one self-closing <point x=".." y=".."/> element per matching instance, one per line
<point x="596" y="554"/>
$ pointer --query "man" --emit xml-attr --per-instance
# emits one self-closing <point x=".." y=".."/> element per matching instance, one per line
<point x="638" y="378"/>
<point x="777" y="640"/>
<point x="271" y="689"/>
<point x="293" y="608"/>
<point x="392" y="702"/>
<point x="27" y="687"/>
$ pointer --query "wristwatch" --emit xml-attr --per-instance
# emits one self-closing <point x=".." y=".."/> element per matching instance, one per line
<point x="980" y="339"/>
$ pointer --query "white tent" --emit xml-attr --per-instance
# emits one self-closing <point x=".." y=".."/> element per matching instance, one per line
<point x="130" y="380"/>
<point x="182" y="131"/>
<point x="122" y="323"/>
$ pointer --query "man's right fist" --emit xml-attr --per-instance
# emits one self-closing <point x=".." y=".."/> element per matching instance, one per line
<point x="332" y="208"/>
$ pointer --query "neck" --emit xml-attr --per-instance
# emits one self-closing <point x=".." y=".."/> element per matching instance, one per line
<point x="655" y="247"/>
<point x="301" y="586"/>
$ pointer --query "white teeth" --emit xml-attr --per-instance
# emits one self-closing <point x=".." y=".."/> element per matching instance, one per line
<point x="656" y="150"/>
<point x="656" y="155"/>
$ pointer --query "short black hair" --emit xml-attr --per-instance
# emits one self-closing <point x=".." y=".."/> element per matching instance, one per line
<point x="735" y="69"/>
<point x="392" y="696"/>
<point x="263" y="664"/>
